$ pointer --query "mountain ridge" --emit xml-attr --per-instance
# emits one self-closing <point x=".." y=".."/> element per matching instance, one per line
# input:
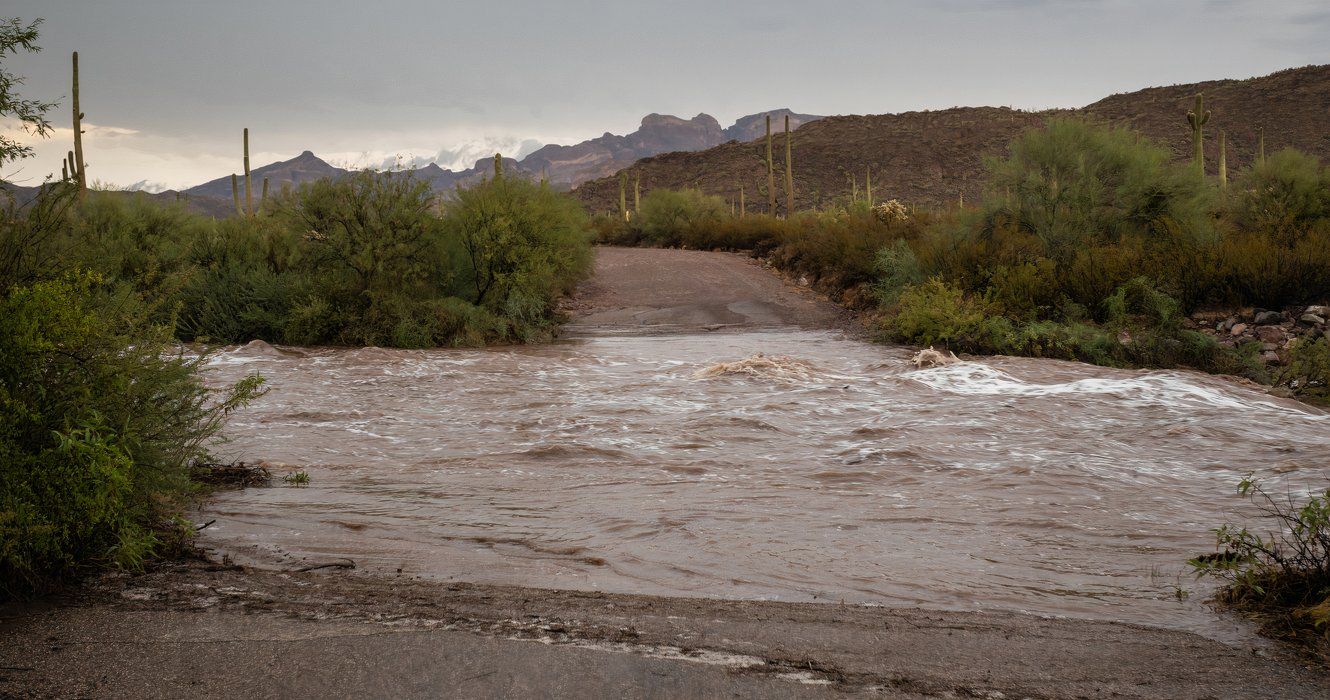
<point x="936" y="157"/>
<point x="564" y="166"/>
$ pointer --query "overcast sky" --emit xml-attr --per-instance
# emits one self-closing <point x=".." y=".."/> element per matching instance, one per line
<point x="167" y="85"/>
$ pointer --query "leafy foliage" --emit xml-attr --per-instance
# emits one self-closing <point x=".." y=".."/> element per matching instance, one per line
<point x="15" y="36"/>
<point x="1282" y="573"/>
<point x="100" y="415"/>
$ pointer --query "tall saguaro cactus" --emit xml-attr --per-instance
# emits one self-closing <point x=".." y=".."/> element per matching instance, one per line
<point x="637" y="194"/>
<point x="868" y="184"/>
<point x="771" y="174"/>
<point x="1260" y="145"/>
<point x="1223" y="162"/>
<point x="789" y="172"/>
<point x="498" y="166"/>
<point x="743" y="207"/>
<point x="623" y="195"/>
<point x="235" y="194"/>
<point x="1197" y="119"/>
<point x="249" y="197"/>
<point x="76" y="165"/>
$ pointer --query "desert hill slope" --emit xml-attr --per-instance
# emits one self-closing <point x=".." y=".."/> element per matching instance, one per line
<point x="934" y="157"/>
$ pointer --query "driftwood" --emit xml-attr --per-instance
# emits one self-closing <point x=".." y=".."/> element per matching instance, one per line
<point x="234" y="474"/>
<point x="341" y="564"/>
<point x="934" y="358"/>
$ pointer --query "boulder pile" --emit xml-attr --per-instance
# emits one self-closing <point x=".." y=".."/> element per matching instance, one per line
<point x="1274" y="330"/>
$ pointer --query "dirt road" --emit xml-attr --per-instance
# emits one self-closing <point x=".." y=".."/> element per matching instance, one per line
<point x="655" y="291"/>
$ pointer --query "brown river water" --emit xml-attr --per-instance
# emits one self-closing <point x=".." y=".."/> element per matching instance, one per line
<point x="612" y="463"/>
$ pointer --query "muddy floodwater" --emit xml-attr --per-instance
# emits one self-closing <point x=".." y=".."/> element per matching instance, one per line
<point x="608" y="463"/>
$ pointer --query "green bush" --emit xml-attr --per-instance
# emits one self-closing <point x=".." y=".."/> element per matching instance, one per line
<point x="1308" y="369"/>
<point x="667" y="216"/>
<point x="936" y="313"/>
<point x="99" y="419"/>
<point x="1283" y="197"/>
<point x="522" y="245"/>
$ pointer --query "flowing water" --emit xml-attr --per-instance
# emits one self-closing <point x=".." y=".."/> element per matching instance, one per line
<point x="619" y="464"/>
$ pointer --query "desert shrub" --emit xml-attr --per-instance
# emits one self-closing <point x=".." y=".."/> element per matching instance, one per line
<point x="667" y="215"/>
<point x="521" y="246"/>
<point x="1259" y="269"/>
<point x="838" y="248"/>
<point x="1282" y="574"/>
<point x="99" y="419"/>
<point x="1138" y="303"/>
<point x="1283" y="197"/>
<point x="757" y="233"/>
<point x="1025" y="291"/>
<point x="1308" y="370"/>
<point x="935" y="313"/>
<point x="897" y="269"/>
<point x="140" y="242"/>
<point x="1075" y="183"/>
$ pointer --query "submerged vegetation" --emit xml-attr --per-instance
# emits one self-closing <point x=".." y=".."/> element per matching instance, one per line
<point x="1092" y="244"/>
<point x="1281" y="576"/>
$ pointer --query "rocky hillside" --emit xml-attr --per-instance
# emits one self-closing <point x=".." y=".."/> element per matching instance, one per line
<point x="935" y="157"/>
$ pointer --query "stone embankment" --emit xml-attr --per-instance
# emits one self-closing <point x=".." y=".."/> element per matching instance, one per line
<point x="1274" y="330"/>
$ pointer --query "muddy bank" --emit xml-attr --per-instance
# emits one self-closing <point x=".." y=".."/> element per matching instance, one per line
<point x="207" y="633"/>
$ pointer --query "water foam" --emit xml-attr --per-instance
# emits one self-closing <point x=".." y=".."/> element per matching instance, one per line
<point x="1172" y="389"/>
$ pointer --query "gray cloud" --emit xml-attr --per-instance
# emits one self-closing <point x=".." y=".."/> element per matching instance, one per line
<point x="419" y="77"/>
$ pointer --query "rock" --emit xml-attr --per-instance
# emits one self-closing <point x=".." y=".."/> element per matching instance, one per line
<point x="1322" y="311"/>
<point x="1265" y="318"/>
<point x="1237" y="329"/>
<point x="1270" y="357"/>
<point x="1267" y="347"/>
<point x="1270" y="334"/>
<point x="1282" y="392"/>
<point x="1227" y="324"/>
<point x="1312" y="319"/>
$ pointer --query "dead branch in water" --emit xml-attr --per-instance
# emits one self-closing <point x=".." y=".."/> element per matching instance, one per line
<point x="934" y="358"/>
<point x="237" y="474"/>
<point x="343" y="564"/>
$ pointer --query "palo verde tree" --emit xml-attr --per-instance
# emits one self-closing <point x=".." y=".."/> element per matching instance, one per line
<point x="15" y="36"/>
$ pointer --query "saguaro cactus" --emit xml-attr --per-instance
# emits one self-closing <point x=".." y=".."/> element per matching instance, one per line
<point x="771" y="174"/>
<point x="1197" y="119"/>
<point x="1260" y="145"/>
<point x="235" y="194"/>
<point x="249" y="197"/>
<point x="498" y="166"/>
<point x="742" y="205"/>
<point x="789" y="172"/>
<point x="76" y="165"/>
<point x="263" y="198"/>
<point x="637" y="194"/>
<point x="868" y="184"/>
<point x="73" y="168"/>
<point x="623" y="195"/>
<point x="1223" y="162"/>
